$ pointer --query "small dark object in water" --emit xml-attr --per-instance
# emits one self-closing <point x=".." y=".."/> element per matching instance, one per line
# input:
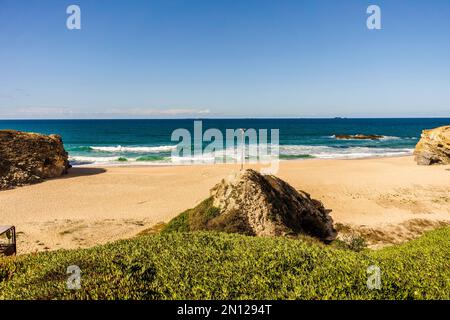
<point x="358" y="136"/>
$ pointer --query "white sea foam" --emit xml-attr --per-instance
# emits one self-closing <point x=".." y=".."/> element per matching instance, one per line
<point x="327" y="152"/>
<point x="390" y="138"/>
<point x="82" y="160"/>
<point x="321" y="152"/>
<point x="137" y="149"/>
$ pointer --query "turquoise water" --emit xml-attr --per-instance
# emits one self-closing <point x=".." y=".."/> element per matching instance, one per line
<point x="149" y="141"/>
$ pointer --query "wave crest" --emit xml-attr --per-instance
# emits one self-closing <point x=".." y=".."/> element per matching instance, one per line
<point x="131" y="149"/>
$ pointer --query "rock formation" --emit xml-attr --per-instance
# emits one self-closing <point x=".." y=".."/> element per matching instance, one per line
<point x="433" y="147"/>
<point x="27" y="158"/>
<point x="358" y="136"/>
<point x="254" y="204"/>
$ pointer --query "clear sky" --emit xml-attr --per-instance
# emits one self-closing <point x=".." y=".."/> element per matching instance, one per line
<point x="224" y="58"/>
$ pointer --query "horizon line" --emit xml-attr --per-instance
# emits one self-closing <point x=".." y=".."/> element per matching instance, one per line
<point x="222" y="118"/>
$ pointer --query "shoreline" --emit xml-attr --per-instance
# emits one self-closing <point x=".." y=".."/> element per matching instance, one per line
<point x="151" y="164"/>
<point x="387" y="199"/>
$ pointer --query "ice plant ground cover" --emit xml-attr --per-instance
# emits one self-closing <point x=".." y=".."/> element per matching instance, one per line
<point x="209" y="265"/>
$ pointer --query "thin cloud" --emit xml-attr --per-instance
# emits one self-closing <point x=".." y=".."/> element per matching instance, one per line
<point x="67" y="113"/>
<point x="159" y="112"/>
<point x="37" y="112"/>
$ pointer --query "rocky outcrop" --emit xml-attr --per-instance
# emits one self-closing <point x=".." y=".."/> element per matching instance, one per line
<point x="27" y="158"/>
<point x="433" y="147"/>
<point x="358" y="137"/>
<point x="260" y="205"/>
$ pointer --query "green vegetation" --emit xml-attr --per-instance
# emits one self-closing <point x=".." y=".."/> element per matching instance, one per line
<point x="353" y="242"/>
<point x="206" y="217"/>
<point x="210" y="265"/>
<point x="198" y="218"/>
<point x="296" y="156"/>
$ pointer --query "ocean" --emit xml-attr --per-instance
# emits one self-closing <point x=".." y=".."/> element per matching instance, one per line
<point x="139" y="142"/>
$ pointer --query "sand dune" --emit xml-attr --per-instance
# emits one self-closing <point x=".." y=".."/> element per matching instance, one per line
<point x="387" y="199"/>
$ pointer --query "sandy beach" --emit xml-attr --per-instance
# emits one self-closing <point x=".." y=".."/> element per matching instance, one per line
<point x="388" y="200"/>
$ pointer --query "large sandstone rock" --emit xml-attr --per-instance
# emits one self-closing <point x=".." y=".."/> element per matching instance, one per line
<point x="433" y="147"/>
<point x="27" y="158"/>
<point x="253" y="204"/>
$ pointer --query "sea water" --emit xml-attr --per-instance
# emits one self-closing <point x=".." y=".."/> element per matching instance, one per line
<point x="123" y="142"/>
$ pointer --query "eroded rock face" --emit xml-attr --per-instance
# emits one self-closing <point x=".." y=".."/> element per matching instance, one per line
<point x="268" y="206"/>
<point x="433" y="147"/>
<point x="27" y="158"/>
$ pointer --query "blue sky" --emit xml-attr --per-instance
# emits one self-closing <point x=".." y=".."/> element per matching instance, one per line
<point x="224" y="58"/>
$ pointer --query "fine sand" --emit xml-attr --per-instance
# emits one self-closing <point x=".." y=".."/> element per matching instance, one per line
<point x="388" y="200"/>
